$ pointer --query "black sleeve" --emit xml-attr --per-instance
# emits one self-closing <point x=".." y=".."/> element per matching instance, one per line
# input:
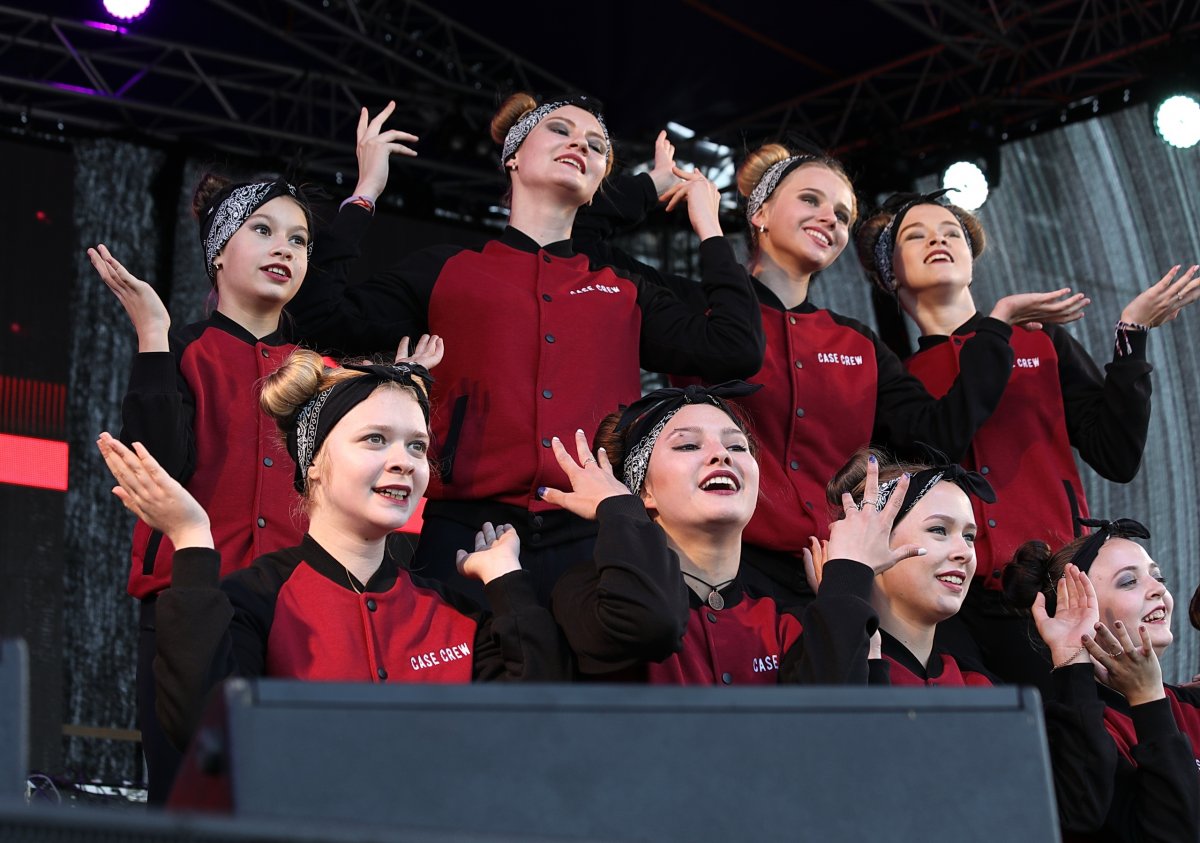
<point x="519" y="641"/>
<point x="206" y="631"/>
<point x="1159" y="799"/>
<point x="1083" y="756"/>
<point x="330" y="314"/>
<point x="630" y="605"/>
<point x="1108" y="416"/>
<point x="159" y="410"/>
<point x="838" y="626"/>
<point x="718" y="340"/>
<point x="712" y="329"/>
<point x="906" y="414"/>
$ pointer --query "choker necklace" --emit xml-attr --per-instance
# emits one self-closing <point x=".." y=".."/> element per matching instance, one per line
<point x="714" y="599"/>
<point x="353" y="584"/>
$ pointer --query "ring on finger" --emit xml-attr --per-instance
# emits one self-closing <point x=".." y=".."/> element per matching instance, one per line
<point x="1117" y="654"/>
<point x="867" y="502"/>
<point x="588" y="460"/>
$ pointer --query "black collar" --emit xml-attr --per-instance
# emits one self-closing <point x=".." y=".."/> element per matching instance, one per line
<point x="523" y="242"/>
<point x="224" y="323"/>
<point x="732" y="594"/>
<point x="902" y="656"/>
<point x="931" y="340"/>
<point x="767" y="297"/>
<point x="320" y="560"/>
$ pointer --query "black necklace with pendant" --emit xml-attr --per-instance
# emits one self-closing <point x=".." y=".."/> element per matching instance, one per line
<point x="714" y="599"/>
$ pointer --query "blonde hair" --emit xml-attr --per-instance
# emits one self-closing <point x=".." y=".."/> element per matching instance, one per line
<point x="767" y="156"/>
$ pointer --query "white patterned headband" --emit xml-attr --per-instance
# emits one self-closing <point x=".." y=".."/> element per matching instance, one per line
<point x="225" y="217"/>
<point x="520" y="130"/>
<point x="770" y="180"/>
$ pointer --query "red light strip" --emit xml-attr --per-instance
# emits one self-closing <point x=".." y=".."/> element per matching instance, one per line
<point x="40" y="463"/>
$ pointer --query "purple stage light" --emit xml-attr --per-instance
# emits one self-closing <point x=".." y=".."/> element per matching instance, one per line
<point x="126" y="9"/>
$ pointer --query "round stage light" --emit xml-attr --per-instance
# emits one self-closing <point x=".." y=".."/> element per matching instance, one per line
<point x="126" y="9"/>
<point x="1177" y="121"/>
<point x="967" y="184"/>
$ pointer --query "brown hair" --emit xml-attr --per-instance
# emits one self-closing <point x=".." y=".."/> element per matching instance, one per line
<point x="852" y="477"/>
<point x="209" y="187"/>
<point x="513" y="109"/>
<point x="1034" y="567"/>
<point x="762" y="159"/>
<point x="867" y="236"/>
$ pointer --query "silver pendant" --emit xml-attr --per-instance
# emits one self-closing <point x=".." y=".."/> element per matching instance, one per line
<point x="715" y="600"/>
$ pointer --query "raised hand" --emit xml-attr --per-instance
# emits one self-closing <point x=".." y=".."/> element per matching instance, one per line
<point x="815" y="557"/>
<point x="591" y="479"/>
<point x="1162" y="301"/>
<point x="1032" y="310"/>
<point x="375" y="147"/>
<point x="1076" y="614"/>
<point x="864" y="533"/>
<point x="145" y="309"/>
<point x="497" y="552"/>
<point x="428" y="352"/>
<point x="663" y="171"/>
<point x="153" y="495"/>
<point x="702" y="198"/>
<point x="1132" y="669"/>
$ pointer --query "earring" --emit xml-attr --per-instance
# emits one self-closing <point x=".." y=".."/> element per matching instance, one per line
<point x="762" y="229"/>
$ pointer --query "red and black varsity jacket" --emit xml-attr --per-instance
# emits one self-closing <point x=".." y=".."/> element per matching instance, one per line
<point x="540" y="341"/>
<point x="196" y="411"/>
<point x="630" y="617"/>
<point x="296" y="614"/>
<point x="1055" y="398"/>
<point x="942" y="670"/>
<point x="1123" y="772"/>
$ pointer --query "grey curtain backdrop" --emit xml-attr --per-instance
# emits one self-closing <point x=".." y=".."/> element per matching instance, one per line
<point x="1103" y="206"/>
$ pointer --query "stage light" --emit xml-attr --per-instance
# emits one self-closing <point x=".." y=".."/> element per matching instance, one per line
<point x="126" y="9"/>
<point x="967" y="183"/>
<point x="1177" y="120"/>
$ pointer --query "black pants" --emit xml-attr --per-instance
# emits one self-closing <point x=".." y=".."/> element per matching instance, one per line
<point x="442" y="538"/>
<point x="162" y="758"/>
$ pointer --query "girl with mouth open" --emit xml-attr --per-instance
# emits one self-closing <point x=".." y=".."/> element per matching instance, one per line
<point x="665" y="600"/>
<point x="1122" y="744"/>
<point x="190" y="401"/>
<point x="914" y="595"/>
<point x="923" y="252"/>
<point x="538" y="338"/>
<point x="335" y="607"/>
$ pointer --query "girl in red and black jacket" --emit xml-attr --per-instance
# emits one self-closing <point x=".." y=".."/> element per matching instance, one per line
<point x="539" y="338"/>
<point x="830" y="385"/>
<point x="1123" y="745"/>
<point x="191" y="400"/>
<point x="923" y="253"/>
<point x="916" y="594"/>
<point x="666" y="599"/>
<point x="336" y="607"/>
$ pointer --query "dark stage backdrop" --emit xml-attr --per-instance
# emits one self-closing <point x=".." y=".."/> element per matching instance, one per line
<point x="1103" y="205"/>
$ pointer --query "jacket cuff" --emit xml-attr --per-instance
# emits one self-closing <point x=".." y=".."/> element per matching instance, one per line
<point x="510" y="593"/>
<point x="153" y="371"/>
<point x="196" y="567"/>
<point x="717" y="249"/>
<point x="847" y="577"/>
<point x="1153" y="719"/>
<point x="622" y="506"/>
<point x="1074" y="683"/>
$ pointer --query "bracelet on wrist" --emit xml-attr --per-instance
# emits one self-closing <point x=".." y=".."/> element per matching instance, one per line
<point x="1070" y="659"/>
<point x="1123" y="330"/>
<point x="361" y="201"/>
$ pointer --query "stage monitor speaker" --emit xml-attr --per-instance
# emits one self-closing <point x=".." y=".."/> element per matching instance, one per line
<point x="14" y="718"/>
<point x="632" y="762"/>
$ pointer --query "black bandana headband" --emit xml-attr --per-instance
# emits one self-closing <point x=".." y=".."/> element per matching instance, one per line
<point x="328" y="407"/>
<point x="900" y="204"/>
<point x="971" y="482"/>
<point x="225" y="217"/>
<point x="1122" y="528"/>
<point x="645" y="419"/>
<point x="528" y="121"/>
